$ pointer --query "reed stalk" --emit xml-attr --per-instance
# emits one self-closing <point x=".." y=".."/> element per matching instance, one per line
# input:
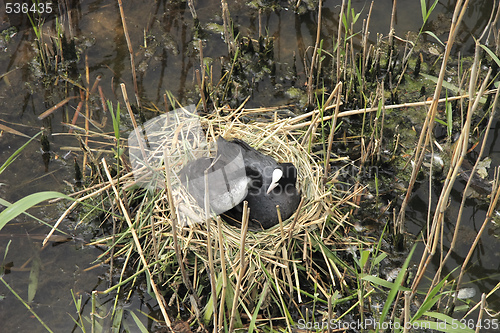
<point x="434" y="227"/>
<point x="339" y="38"/>
<point x="464" y="197"/>
<point x="364" y="45"/>
<point x="222" y="256"/>
<point x="336" y="92"/>
<point x="242" y="265"/>
<point x="428" y="125"/>
<point x="310" y="89"/>
<point x="131" y="53"/>
<point x="159" y="297"/>
<point x="211" y="275"/>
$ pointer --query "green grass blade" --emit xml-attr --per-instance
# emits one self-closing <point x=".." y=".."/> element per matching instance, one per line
<point x="263" y="294"/>
<point x="446" y="324"/>
<point x="8" y="204"/>
<point x="423" y="9"/>
<point x="426" y="13"/>
<point x="441" y="122"/>
<point x="25" y="304"/>
<point x="332" y="255"/>
<point x="16" y="153"/>
<point x="379" y="258"/>
<point x="384" y="283"/>
<point x="6" y="250"/>
<point x="394" y="290"/>
<point x="431" y="299"/>
<point x="34" y="277"/>
<point x="365" y="255"/>
<point x="209" y="308"/>
<point x="25" y="203"/>
<point x="139" y="324"/>
<point x="115" y="115"/>
<point x="433" y="35"/>
<point x="430" y="10"/>
<point x="117" y="320"/>
<point x="355" y="16"/>
<point x="429" y="302"/>
<point x="491" y="54"/>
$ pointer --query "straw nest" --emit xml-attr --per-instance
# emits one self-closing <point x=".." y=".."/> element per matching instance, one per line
<point x="265" y="251"/>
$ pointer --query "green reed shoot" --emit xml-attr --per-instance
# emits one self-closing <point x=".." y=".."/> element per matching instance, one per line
<point x="426" y="13"/>
<point x="449" y="118"/>
<point x="22" y="205"/>
<point x="492" y="55"/>
<point x="348" y="20"/>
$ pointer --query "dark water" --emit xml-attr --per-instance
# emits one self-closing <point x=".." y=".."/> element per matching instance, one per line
<point x="166" y="57"/>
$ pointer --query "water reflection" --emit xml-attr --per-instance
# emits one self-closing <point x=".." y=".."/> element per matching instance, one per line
<point x="166" y="55"/>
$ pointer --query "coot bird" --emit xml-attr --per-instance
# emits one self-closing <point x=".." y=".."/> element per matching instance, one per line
<point x="239" y="173"/>
<point x="226" y="178"/>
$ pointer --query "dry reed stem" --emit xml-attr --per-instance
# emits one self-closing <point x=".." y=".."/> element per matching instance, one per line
<point x="462" y="204"/>
<point x="242" y="266"/>
<point x="95" y="85"/>
<point x="337" y="91"/>
<point x="366" y="33"/>
<point x="153" y="238"/>
<point x="229" y="38"/>
<point x="495" y="195"/>
<point x="474" y="308"/>
<point x="481" y="312"/>
<point x="267" y="248"/>
<point x="73" y="205"/>
<point x="12" y="131"/>
<point x="202" y="83"/>
<point x="427" y="128"/>
<point x="310" y="95"/>
<point x="158" y="295"/>
<point x="407" y="311"/>
<point x="132" y="117"/>
<point x="55" y="107"/>
<point x="223" y="272"/>
<point x="131" y="53"/>
<point x="311" y="131"/>
<point x="75" y="116"/>
<point x="87" y="114"/>
<point x="457" y="158"/>
<point x="365" y="110"/>
<point x="209" y="251"/>
<point x="391" y="30"/>
<point x="174" y="222"/>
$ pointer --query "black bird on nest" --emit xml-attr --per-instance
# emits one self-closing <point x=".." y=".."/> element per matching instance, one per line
<point x="240" y="173"/>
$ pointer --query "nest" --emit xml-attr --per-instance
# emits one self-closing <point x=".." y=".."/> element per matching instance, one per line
<point x="265" y="256"/>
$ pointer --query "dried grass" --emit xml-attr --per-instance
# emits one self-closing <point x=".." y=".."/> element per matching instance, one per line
<point x="264" y="250"/>
<point x="270" y="139"/>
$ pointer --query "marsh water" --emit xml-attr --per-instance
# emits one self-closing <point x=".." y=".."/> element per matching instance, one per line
<point x="166" y="57"/>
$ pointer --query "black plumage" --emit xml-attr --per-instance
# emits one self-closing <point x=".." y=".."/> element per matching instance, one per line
<point x="239" y="173"/>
